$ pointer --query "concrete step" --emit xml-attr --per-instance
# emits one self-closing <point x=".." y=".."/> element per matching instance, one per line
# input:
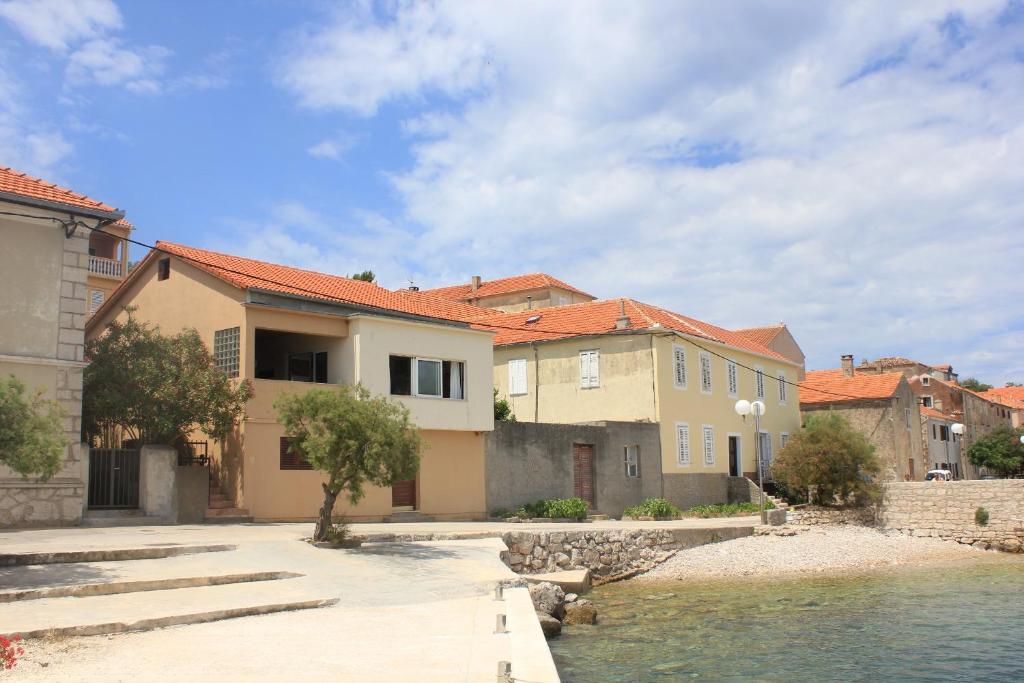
<point x="108" y="555"/>
<point x="226" y="512"/>
<point x="409" y="516"/>
<point x="220" y="504"/>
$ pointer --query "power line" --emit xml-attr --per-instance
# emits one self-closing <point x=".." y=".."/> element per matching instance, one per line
<point x="532" y="328"/>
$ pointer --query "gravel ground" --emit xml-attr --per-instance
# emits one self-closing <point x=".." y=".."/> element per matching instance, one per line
<point x="816" y="551"/>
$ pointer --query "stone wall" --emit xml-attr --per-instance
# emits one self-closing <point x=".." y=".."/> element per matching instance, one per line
<point x="608" y="554"/>
<point x="946" y="510"/>
<point x="809" y="515"/>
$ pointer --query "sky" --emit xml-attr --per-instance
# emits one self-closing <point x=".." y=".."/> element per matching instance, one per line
<point x="851" y="168"/>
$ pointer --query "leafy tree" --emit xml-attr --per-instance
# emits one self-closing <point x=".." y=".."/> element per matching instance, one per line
<point x="156" y="388"/>
<point x="830" y="458"/>
<point x="31" y="435"/>
<point x="975" y="385"/>
<point x="365" y="276"/>
<point x="352" y="437"/>
<point x="1000" y="451"/>
<point x="502" y="409"/>
<point x="1012" y="384"/>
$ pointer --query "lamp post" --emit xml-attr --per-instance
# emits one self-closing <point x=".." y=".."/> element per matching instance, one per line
<point x="958" y="429"/>
<point x="744" y="408"/>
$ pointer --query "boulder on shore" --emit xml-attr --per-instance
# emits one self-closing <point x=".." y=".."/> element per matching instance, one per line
<point x="582" y="611"/>
<point x="547" y="598"/>
<point x="551" y="626"/>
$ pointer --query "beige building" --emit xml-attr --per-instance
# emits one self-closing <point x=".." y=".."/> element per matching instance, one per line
<point x="513" y="294"/>
<point x="324" y="330"/>
<point x="779" y="339"/>
<point x="108" y="263"/>
<point x="43" y="272"/>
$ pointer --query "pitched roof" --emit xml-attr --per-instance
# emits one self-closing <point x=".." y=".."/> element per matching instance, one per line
<point x="831" y="386"/>
<point x="247" y="273"/>
<point x="506" y="285"/>
<point x="1016" y="393"/>
<point x="931" y="412"/>
<point x="762" y="335"/>
<point x="598" y="317"/>
<point x="31" y="187"/>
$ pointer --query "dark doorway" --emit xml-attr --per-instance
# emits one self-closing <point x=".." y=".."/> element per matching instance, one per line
<point x="735" y="469"/>
<point x="583" y="472"/>
<point x="114" y="478"/>
<point x="403" y="494"/>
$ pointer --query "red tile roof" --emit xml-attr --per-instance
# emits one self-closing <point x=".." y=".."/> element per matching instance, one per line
<point x="831" y="386"/>
<point x="762" y="335"/>
<point x="1016" y="393"/>
<point x="28" y="186"/>
<point x="598" y="317"/>
<point x="506" y="285"/>
<point x="931" y="412"/>
<point x="248" y="273"/>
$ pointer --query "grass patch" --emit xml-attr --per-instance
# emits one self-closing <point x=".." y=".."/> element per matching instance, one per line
<point x="727" y="509"/>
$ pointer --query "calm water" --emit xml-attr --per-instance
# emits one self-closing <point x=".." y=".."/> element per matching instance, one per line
<point x="944" y="623"/>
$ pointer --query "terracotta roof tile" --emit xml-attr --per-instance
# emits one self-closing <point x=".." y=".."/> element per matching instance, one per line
<point x="831" y="386"/>
<point x="931" y="412"/>
<point x="762" y="335"/>
<point x="506" y="285"/>
<point x="25" y="185"/>
<point x="248" y="273"/>
<point x="1016" y="393"/>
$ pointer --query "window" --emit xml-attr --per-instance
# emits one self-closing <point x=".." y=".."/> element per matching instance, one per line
<point x="678" y="366"/>
<point x="759" y="381"/>
<point x="225" y="350"/>
<point x="926" y="381"/>
<point x="709" y="446"/>
<point x="927" y="402"/>
<point x="766" y="453"/>
<point x="632" y="460"/>
<point x="934" y="436"/>
<point x="705" y="372"/>
<point x="943" y="433"/>
<point x="163" y="269"/>
<point x="590" y="376"/>
<point x="783" y="439"/>
<point x="95" y="300"/>
<point x="906" y="416"/>
<point x="731" y="376"/>
<point x="290" y="459"/>
<point x="683" y="444"/>
<point x="517" y="377"/>
<point x="308" y="366"/>
<point x="432" y="377"/>
<point x="782" y="388"/>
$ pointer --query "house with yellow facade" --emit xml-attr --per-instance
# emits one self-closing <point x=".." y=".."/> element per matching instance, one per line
<point x="286" y="330"/>
<point x="108" y="262"/>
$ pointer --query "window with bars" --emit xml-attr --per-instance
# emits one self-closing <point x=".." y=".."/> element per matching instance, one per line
<point x="517" y="377"/>
<point x="733" y="378"/>
<point x="678" y="366"/>
<point x="632" y="461"/>
<point x="782" y="388"/>
<point x="226" y="350"/>
<point x="705" y="372"/>
<point x="759" y="381"/>
<point x="590" y="364"/>
<point x="709" y="445"/>
<point x="290" y="458"/>
<point x="683" y="444"/>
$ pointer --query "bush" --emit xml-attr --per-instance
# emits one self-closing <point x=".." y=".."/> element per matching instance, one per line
<point x="31" y="437"/>
<point x="1000" y="451"/>
<point x="501" y="513"/>
<point x="567" y="508"/>
<point x="981" y="517"/>
<point x="652" y="507"/>
<point x="831" y="457"/>
<point x="728" y="509"/>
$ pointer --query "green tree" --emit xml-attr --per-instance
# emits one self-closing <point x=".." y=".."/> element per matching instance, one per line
<point x="832" y="459"/>
<point x="975" y="384"/>
<point x="31" y="437"/>
<point x="1000" y="451"/>
<point x="352" y="437"/>
<point x="365" y="276"/>
<point x="156" y="388"/>
<point x="503" y="409"/>
<point x="1012" y="384"/>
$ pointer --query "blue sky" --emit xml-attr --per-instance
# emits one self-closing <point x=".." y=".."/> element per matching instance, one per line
<point x="850" y="168"/>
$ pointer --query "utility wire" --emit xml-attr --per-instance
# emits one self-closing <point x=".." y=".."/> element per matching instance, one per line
<point x="320" y="295"/>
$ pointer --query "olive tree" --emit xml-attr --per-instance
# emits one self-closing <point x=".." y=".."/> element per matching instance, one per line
<point x="32" y="441"/>
<point x="830" y="458"/>
<point x="354" y="438"/>
<point x="1000" y="451"/>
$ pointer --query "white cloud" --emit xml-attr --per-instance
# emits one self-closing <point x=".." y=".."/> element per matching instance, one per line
<point x="851" y="169"/>
<point x="105" y="63"/>
<point x="26" y="142"/>
<point x="56" y="24"/>
<point x="334" y="148"/>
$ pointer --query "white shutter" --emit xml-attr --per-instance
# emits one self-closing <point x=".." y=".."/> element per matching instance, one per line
<point x="683" y="444"/>
<point x="760" y="382"/>
<point x="679" y="366"/>
<point x="517" y="377"/>
<point x="584" y="369"/>
<point x="731" y="372"/>
<point x="705" y="372"/>
<point x="782" y="388"/>
<point x="590" y="362"/>
<point x="595" y="369"/>
<point x="95" y="300"/>
<point x="709" y="445"/>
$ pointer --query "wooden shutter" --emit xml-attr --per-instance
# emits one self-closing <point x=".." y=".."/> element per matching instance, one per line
<point x="683" y="443"/>
<point x="679" y="366"/>
<point x="705" y="372"/>
<point x="517" y="376"/>
<point x="589" y="369"/>
<point x="782" y="387"/>
<point x="709" y="445"/>
<point x="731" y="372"/>
<point x="595" y="369"/>
<point x="760" y="382"/>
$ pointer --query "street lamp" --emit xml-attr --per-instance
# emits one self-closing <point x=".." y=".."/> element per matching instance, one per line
<point x="958" y="429"/>
<point x="744" y="408"/>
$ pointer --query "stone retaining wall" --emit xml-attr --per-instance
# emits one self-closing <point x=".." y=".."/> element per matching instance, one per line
<point x="809" y="515"/>
<point x="946" y="510"/>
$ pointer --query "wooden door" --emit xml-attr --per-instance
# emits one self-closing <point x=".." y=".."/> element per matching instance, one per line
<point x="583" y="472"/>
<point x="403" y="494"/>
<point x="734" y="457"/>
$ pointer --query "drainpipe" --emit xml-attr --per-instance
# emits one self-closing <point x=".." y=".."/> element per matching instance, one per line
<point x="536" y="383"/>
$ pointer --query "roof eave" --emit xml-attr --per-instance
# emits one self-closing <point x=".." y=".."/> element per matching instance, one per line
<point x="24" y="200"/>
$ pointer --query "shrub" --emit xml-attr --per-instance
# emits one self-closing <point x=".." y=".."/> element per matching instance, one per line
<point x="31" y="436"/>
<point x="503" y="409"/>
<point x="501" y="513"/>
<point x="533" y="510"/>
<point x="727" y="509"/>
<point x="831" y="457"/>
<point x="981" y="517"/>
<point x="567" y="508"/>
<point x="652" y="507"/>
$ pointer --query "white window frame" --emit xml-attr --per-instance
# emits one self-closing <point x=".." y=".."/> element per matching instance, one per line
<point x="683" y="456"/>
<point x="518" y="370"/>
<point x="709" y="453"/>
<point x="96" y="299"/>
<point x="416" y="377"/>
<point x="591" y="379"/>
<point x="930" y="403"/>
<point x="926" y="381"/>
<point x="732" y="378"/>
<point x="759" y="381"/>
<point x="678" y="366"/>
<point x="632" y="466"/>
<point x="783" y="439"/>
<point x="705" y="373"/>
<point x="782" y="387"/>
<point x="766" y="462"/>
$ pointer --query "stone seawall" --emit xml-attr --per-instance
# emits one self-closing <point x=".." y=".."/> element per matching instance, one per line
<point x="946" y="510"/>
<point x="809" y="515"/>
<point x="608" y="554"/>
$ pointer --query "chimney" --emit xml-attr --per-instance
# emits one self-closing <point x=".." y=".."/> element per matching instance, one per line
<point x="474" y="283"/>
<point x="622" y="322"/>
<point x="529" y="302"/>
<point x="847" y="363"/>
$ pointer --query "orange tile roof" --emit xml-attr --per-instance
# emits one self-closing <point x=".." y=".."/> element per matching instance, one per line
<point x="598" y="317"/>
<point x="28" y="186"/>
<point x="762" y="335"/>
<point x="831" y="386"/>
<point x="931" y="412"/>
<point x="248" y="273"/>
<point x="1016" y="393"/>
<point x="506" y="285"/>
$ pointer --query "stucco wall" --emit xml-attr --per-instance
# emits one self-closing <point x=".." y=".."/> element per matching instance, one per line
<point x="529" y="461"/>
<point x="541" y="298"/>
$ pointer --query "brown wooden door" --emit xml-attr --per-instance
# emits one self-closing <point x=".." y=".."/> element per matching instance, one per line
<point x="403" y="494"/>
<point x="583" y="472"/>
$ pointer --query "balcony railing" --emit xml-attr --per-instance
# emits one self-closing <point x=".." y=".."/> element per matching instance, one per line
<point x="105" y="266"/>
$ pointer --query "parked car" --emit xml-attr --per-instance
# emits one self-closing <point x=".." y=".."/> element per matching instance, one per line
<point x="941" y="475"/>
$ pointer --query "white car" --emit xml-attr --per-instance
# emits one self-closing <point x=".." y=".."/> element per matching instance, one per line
<point x="941" y="475"/>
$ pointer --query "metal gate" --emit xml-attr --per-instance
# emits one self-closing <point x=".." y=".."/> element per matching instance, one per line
<point x="113" y="478"/>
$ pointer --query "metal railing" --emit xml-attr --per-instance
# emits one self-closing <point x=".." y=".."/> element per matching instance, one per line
<point x="105" y="266"/>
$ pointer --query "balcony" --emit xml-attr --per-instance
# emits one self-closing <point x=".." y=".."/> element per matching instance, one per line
<point x="107" y="267"/>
